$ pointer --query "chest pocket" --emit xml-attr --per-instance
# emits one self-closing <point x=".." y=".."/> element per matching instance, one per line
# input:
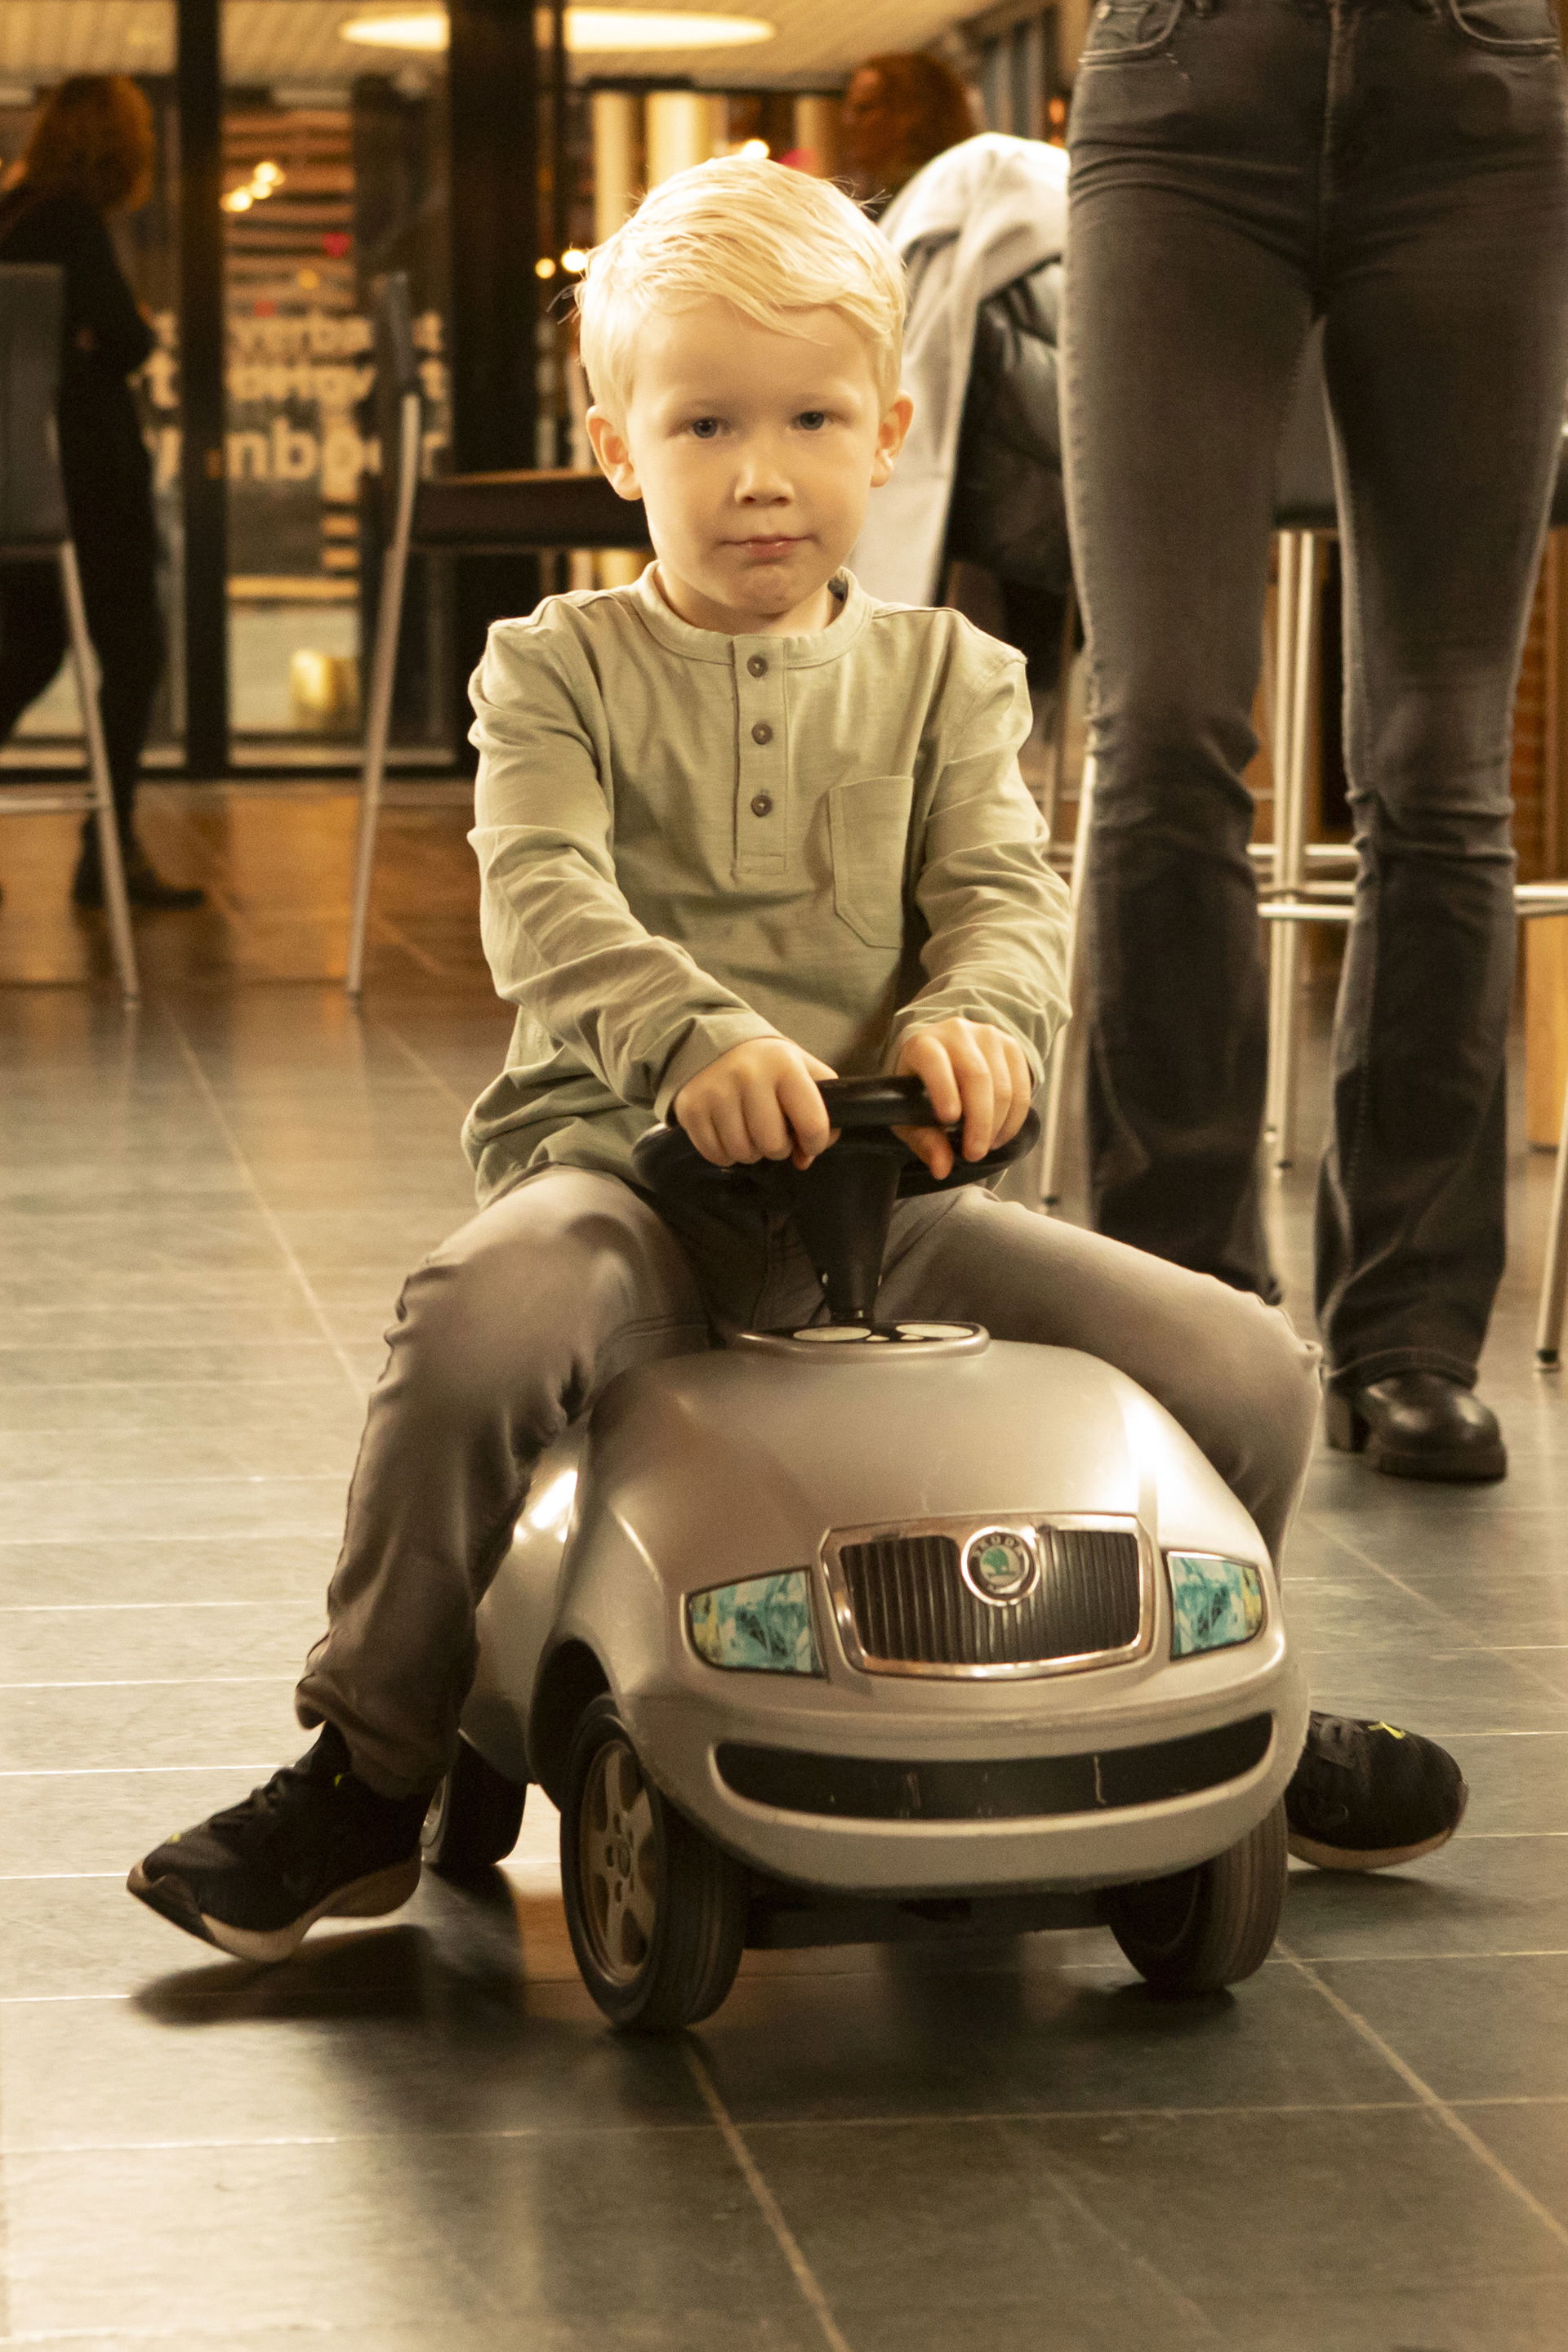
<point x="869" y="826"/>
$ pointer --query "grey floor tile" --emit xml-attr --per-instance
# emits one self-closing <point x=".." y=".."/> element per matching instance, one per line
<point x="1512" y="2315"/>
<point x="194" y="1642"/>
<point x="1297" y="2205"/>
<point x="168" y="1565"/>
<point x="102" y="1728"/>
<point x="903" y="2041"/>
<point x="1530" y="2136"/>
<point x="383" y="2233"/>
<point x="1471" y="2028"/>
<point x="67" y="1824"/>
<point x="1518" y="1786"/>
<point x="399" y="2033"/>
<point x="969" y="2235"/>
<point x="1477" y="1894"/>
<point x="300" y="1401"/>
<point x="64" y="1510"/>
<point x="213" y="1440"/>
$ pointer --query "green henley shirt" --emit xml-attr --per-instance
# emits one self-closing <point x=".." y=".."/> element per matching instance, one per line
<point x="686" y="839"/>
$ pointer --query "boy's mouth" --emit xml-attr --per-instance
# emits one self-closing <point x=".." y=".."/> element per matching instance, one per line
<point x="765" y="550"/>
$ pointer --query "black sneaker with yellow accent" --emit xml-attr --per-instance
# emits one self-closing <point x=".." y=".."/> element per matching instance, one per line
<point x="1366" y="1796"/>
<point x="313" y="1843"/>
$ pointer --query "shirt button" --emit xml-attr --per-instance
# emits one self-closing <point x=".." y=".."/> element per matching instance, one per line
<point x="763" y="805"/>
<point x="762" y="732"/>
<point x="758" y="665"/>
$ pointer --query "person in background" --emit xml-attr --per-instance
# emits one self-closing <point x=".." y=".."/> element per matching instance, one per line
<point x="92" y="154"/>
<point x="899" y="111"/>
<point x="1402" y="174"/>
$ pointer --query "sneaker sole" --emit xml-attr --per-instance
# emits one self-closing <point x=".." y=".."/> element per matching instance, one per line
<point x="1338" y="1857"/>
<point x="363" y="1898"/>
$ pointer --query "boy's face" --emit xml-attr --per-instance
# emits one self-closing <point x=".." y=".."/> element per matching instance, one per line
<point x="754" y="454"/>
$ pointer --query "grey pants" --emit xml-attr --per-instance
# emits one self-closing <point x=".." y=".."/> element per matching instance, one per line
<point x="1400" y="169"/>
<point x="515" y="1325"/>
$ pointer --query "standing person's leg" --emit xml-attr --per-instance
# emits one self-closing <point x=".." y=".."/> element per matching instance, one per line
<point x="1245" y="1388"/>
<point x="32" y="636"/>
<point x="117" y="555"/>
<point x="1447" y="355"/>
<point x="502" y="1337"/>
<point x="1186" y="306"/>
<point x="120" y="590"/>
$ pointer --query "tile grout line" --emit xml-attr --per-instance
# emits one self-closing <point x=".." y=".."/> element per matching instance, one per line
<point x="269" y="1217"/>
<point x="427" y="1070"/>
<point x="766" y="2203"/>
<point x="1435" y="1607"/>
<point x="1437" y="2106"/>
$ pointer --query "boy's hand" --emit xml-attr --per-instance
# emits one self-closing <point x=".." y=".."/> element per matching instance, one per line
<point x="973" y="1073"/>
<point x="758" y="1101"/>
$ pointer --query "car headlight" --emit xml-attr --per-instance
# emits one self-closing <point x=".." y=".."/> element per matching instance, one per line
<point x="1215" y="1602"/>
<point x="762" y="1624"/>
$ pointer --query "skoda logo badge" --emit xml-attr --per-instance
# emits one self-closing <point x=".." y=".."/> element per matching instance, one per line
<point x="1000" y="1564"/>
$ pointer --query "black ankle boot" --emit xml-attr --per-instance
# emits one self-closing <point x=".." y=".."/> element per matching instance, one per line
<point x="1418" y="1426"/>
<point x="145" y="886"/>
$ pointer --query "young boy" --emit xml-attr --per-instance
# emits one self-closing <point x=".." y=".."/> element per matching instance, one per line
<point x="740" y="829"/>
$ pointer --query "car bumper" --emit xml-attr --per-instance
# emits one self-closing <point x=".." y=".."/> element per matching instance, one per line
<point x="908" y="1807"/>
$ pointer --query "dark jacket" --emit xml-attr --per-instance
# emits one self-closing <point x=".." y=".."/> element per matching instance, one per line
<point x="105" y="338"/>
<point x="1009" y="510"/>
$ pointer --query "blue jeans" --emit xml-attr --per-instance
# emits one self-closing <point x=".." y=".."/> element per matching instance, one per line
<point x="1241" y="167"/>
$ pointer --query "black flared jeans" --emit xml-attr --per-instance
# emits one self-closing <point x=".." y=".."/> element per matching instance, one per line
<point x="1241" y="167"/>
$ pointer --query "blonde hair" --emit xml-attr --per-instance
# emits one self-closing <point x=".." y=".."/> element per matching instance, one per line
<point x="770" y="239"/>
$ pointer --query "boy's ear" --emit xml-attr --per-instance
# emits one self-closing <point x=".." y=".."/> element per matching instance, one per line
<point x="609" y="445"/>
<point x="890" y="434"/>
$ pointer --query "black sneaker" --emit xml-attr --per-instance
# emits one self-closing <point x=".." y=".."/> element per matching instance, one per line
<point x="315" y="1843"/>
<point x="1365" y="1796"/>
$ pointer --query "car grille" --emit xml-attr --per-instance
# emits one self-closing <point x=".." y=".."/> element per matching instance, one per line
<point x="910" y="1607"/>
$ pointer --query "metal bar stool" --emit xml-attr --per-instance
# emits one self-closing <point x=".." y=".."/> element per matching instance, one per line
<point x="35" y="528"/>
<point x="449" y="514"/>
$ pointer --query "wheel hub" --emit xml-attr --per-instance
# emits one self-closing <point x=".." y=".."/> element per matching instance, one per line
<point x="619" y="1863"/>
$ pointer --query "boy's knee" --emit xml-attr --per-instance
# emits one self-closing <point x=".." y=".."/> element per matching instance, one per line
<point x="1276" y="1382"/>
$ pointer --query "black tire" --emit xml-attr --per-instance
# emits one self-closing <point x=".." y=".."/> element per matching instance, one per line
<point x="656" y="1912"/>
<point x="1210" y="1927"/>
<point x="474" y="1817"/>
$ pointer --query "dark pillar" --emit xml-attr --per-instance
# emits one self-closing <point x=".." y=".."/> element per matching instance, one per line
<point x="493" y="97"/>
<point x="198" y="73"/>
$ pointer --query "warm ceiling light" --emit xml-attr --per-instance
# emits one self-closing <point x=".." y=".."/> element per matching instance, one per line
<point x="574" y="259"/>
<point x="588" y="30"/>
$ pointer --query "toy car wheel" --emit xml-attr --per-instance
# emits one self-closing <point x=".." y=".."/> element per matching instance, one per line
<point x="1210" y="1927"/>
<point x="474" y="1817"/>
<point x="656" y="1912"/>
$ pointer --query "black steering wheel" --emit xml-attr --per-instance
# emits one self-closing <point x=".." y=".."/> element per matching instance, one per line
<point x="842" y="1205"/>
<point x="865" y="1112"/>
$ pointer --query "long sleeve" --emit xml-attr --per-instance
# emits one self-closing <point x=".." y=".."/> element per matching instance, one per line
<point x="99" y="300"/>
<point x="562" y="942"/>
<point x="996" y="911"/>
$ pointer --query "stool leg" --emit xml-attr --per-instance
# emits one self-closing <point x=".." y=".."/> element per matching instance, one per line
<point x="1056" y="1076"/>
<point x="111" y="866"/>
<point x="1554" y="1288"/>
<point x="1290" y="860"/>
<point x="383" y="677"/>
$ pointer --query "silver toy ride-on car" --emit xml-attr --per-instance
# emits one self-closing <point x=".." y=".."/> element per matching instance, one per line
<point x="863" y="1632"/>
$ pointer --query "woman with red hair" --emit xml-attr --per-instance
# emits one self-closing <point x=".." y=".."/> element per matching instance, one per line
<point x="92" y="154"/>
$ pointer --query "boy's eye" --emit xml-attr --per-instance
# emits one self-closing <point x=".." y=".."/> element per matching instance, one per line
<point x="704" y="428"/>
<point x="811" y="419"/>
